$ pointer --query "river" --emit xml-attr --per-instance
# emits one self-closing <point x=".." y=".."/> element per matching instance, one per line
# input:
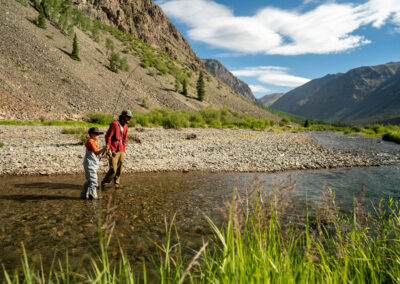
<point x="46" y="214"/>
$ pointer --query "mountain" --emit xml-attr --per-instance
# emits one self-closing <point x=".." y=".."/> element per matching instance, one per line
<point x="362" y="95"/>
<point x="38" y="78"/>
<point x="218" y="70"/>
<point x="144" y="20"/>
<point x="268" y="100"/>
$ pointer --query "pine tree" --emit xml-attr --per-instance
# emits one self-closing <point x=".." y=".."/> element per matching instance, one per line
<point x="114" y="59"/>
<point x="184" y="87"/>
<point x="41" y="19"/>
<point x="177" y="85"/>
<point x="75" y="49"/>
<point x="306" y="123"/>
<point x="200" y="87"/>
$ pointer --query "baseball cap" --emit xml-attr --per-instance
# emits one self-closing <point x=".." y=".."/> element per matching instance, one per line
<point x="95" y="130"/>
<point x="127" y="113"/>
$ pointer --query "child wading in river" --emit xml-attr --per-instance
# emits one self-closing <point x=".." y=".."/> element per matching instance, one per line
<point x="91" y="164"/>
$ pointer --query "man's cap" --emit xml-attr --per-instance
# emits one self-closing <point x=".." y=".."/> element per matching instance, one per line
<point x="127" y="113"/>
<point x="95" y="130"/>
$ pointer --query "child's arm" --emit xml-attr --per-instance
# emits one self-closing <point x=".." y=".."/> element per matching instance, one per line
<point x="101" y="151"/>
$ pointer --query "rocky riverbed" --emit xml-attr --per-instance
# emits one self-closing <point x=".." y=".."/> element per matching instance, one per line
<point x="31" y="150"/>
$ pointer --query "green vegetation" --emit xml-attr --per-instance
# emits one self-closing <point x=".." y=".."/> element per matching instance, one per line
<point x="118" y="63"/>
<point x="23" y="3"/>
<point x="200" y="87"/>
<point x="75" y="49"/>
<point x="75" y="130"/>
<point x="1" y="144"/>
<point x="144" y="103"/>
<point x="101" y="118"/>
<point x="261" y="242"/>
<point x="177" y="85"/>
<point x="207" y="117"/>
<point x="284" y="121"/>
<point x="392" y="136"/>
<point x="41" y="19"/>
<point x="185" y="87"/>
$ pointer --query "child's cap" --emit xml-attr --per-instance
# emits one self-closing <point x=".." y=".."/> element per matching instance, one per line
<point x="95" y="130"/>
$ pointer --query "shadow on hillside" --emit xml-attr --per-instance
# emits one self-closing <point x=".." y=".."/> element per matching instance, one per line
<point x="64" y="51"/>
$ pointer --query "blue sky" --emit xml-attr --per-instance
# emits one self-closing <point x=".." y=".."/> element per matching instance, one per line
<point x="275" y="46"/>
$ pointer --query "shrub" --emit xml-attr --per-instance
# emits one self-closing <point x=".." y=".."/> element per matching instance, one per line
<point x="356" y="129"/>
<point x="1" y="144"/>
<point x="144" y="103"/>
<point x="184" y="87"/>
<point x="284" y="121"/>
<point x="114" y="60"/>
<point x="391" y="136"/>
<point x="177" y="85"/>
<point x="75" y="49"/>
<point x="109" y="45"/>
<point x="306" y="123"/>
<point x="41" y="19"/>
<point x="200" y="87"/>
<point x="75" y="130"/>
<point x="176" y="119"/>
<point x="100" y="118"/>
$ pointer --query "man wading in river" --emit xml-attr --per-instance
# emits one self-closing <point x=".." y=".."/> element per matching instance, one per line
<point x="116" y="142"/>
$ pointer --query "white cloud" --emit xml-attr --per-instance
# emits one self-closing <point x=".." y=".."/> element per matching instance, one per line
<point x="259" y="89"/>
<point x="272" y="75"/>
<point x="328" y="28"/>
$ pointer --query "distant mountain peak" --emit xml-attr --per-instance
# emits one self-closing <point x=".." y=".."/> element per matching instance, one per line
<point x="366" y="94"/>
<point x="221" y="72"/>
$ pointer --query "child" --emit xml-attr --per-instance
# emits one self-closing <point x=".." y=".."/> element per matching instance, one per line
<point x="91" y="164"/>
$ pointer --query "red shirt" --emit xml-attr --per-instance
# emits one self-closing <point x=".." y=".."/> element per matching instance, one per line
<point x="115" y="139"/>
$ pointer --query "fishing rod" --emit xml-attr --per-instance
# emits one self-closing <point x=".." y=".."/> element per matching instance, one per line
<point x="123" y="87"/>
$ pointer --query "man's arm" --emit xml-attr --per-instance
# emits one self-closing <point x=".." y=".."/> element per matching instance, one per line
<point x="125" y="135"/>
<point x="109" y="134"/>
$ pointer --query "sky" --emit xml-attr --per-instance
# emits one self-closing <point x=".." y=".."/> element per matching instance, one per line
<point x="277" y="45"/>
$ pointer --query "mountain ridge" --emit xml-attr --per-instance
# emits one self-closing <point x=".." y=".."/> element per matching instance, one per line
<point x="348" y="97"/>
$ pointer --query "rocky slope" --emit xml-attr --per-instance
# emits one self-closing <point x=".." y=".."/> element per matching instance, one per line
<point x="218" y="70"/>
<point x="268" y="100"/>
<point x="145" y="20"/>
<point x="38" y="79"/>
<point x="363" y="95"/>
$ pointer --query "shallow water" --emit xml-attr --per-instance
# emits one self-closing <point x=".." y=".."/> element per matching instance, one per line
<point x="46" y="214"/>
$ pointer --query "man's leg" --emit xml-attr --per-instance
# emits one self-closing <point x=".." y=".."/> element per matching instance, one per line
<point x="117" y="177"/>
<point x="113" y="164"/>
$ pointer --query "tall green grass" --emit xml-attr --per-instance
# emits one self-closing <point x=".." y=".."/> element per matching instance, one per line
<point x="262" y="241"/>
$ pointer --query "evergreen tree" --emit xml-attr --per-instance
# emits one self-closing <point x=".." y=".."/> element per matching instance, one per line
<point x="114" y="62"/>
<point x="75" y="49"/>
<point x="177" y="85"/>
<point x="306" y="123"/>
<point x="200" y="87"/>
<point x="41" y="19"/>
<point x="184" y="87"/>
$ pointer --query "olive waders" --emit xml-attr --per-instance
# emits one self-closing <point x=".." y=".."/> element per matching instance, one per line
<point x="116" y="161"/>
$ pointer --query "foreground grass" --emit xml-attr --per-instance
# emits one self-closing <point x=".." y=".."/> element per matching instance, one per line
<point x="260" y="243"/>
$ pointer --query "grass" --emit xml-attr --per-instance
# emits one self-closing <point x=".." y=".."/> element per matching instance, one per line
<point x="260" y="242"/>
<point x="208" y="117"/>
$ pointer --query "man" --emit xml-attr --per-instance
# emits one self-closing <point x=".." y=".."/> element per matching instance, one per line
<point x="116" y="142"/>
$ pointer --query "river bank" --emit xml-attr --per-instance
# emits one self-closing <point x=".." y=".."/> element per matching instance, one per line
<point x="31" y="150"/>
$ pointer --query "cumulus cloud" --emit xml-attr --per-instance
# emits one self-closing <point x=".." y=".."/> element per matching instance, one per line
<point x="327" y="28"/>
<point x="272" y="75"/>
